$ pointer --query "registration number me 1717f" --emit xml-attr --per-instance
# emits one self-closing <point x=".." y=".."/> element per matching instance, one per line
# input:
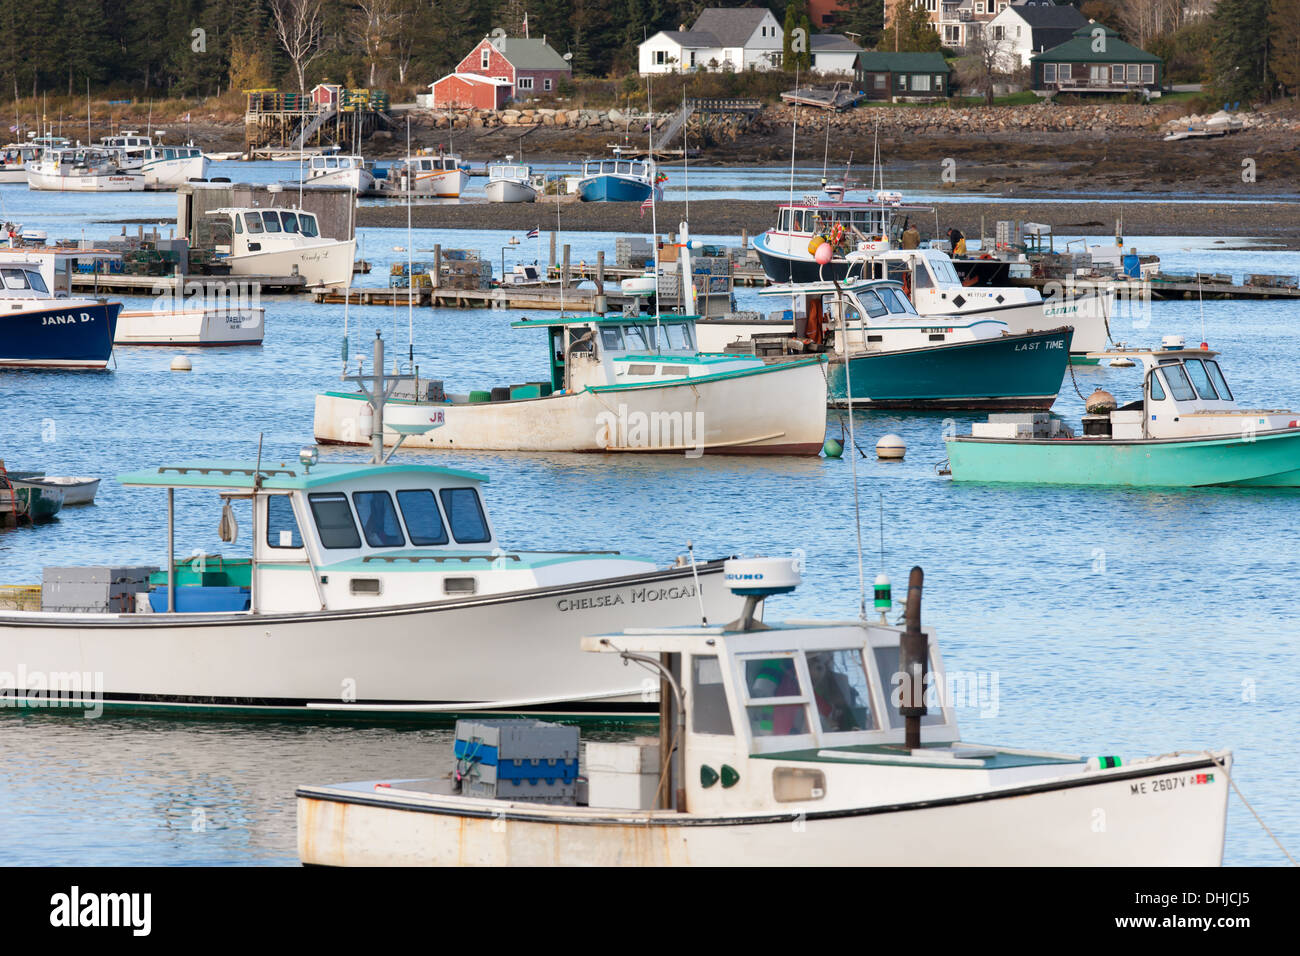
<point x="1167" y="784"/>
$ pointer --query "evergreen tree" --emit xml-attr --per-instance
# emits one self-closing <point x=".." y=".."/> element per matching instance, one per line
<point x="866" y="18"/>
<point x="910" y="30"/>
<point x="796" y="42"/>
<point x="1284" y="43"/>
<point x="1239" y="51"/>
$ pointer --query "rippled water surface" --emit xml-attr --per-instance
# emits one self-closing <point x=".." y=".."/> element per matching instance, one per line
<point x="1127" y="622"/>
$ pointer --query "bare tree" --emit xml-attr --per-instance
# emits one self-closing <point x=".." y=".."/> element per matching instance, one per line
<point x="300" y="28"/>
<point x="987" y="60"/>
<point x="405" y="28"/>
<point x="376" y="22"/>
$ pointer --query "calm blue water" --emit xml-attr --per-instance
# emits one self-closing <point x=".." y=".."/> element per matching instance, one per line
<point x="1114" y="621"/>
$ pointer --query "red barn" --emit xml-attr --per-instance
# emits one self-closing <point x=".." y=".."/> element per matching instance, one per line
<point x="469" y="90"/>
<point x="530" y="67"/>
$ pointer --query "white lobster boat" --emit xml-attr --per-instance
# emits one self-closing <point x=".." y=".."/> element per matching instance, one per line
<point x="14" y="159"/>
<point x="618" y="383"/>
<point x="82" y="170"/>
<point x="440" y="177"/>
<point x="371" y="591"/>
<point x="277" y="242"/>
<point x="163" y="167"/>
<point x="336" y="170"/>
<point x="931" y="283"/>
<point x="510" y="182"/>
<point x="799" y="743"/>
<point x="198" y="325"/>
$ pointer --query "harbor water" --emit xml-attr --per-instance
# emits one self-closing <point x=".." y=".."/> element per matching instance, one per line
<point x="1087" y="620"/>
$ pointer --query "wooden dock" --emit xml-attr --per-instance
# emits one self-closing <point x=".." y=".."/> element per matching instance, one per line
<point x="1162" y="289"/>
<point x="109" y="283"/>
<point x="540" y="298"/>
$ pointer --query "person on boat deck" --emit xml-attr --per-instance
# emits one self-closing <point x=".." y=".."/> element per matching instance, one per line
<point x="838" y="704"/>
<point x="911" y="237"/>
<point x="958" y="242"/>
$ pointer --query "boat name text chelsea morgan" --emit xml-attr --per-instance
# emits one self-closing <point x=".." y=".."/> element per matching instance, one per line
<point x="635" y="596"/>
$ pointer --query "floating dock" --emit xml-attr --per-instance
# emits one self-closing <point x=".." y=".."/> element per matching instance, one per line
<point x="1173" y="288"/>
<point x="108" y="283"/>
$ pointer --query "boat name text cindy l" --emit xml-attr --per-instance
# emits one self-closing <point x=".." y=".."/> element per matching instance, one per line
<point x="635" y="596"/>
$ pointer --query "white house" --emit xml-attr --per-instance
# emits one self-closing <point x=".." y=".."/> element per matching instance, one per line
<point x="833" y="53"/>
<point x="722" y="38"/>
<point x="1032" y="26"/>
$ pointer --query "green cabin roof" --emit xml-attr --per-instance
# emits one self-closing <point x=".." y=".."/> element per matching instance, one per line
<point x="879" y="61"/>
<point x="562" y="320"/>
<point x="1079" y="49"/>
<point x="276" y="475"/>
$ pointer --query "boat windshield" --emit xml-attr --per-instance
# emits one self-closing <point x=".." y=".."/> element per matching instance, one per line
<point x="423" y="520"/>
<point x="465" y="515"/>
<point x="892" y="302"/>
<point x="307" y="225"/>
<point x="271" y="220"/>
<point x="1201" y="379"/>
<point x="1178" y="383"/>
<point x="254" y="222"/>
<point x="872" y="304"/>
<point x="944" y="273"/>
<point x="635" y="338"/>
<point x="378" y="519"/>
<point x="290" y="221"/>
<point x="16" y="278"/>
<point x="1220" y="382"/>
<point x="677" y="336"/>
<point x="841" y="690"/>
<point x="768" y="680"/>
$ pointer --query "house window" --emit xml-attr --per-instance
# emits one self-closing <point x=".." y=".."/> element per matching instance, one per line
<point x="1133" y="72"/>
<point x="485" y="60"/>
<point x="1148" y="73"/>
<point x="1117" y="73"/>
<point x="661" y="57"/>
<point x="999" y="33"/>
<point x="902" y="81"/>
<point x="938" y="83"/>
<point x="525" y="83"/>
<point x="979" y="7"/>
<point x="1063" y="72"/>
<point x="1049" y="72"/>
<point x="880" y="80"/>
<point x="546" y="85"/>
<point x="921" y="82"/>
<point x="692" y="58"/>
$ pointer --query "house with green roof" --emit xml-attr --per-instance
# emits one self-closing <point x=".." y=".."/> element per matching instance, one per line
<point x="884" y="75"/>
<point x="1096" y="60"/>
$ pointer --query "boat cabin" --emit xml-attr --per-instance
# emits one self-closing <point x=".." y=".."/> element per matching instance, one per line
<point x="332" y="535"/>
<point x="17" y="155"/>
<point x="639" y="169"/>
<point x="513" y="173"/>
<point x="597" y="351"/>
<point x="432" y="164"/>
<point x="783" y="714"/>
<point x="931" y="281"/>
<point x="324" y="165"/>
<point x="235" y="231"/>
<point x="1184" y="394"/>
<point x="859" y="221"/>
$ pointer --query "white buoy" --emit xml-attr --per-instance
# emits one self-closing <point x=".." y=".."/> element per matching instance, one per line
<point x="891" y="447"/>
<point x="182" y="364"/>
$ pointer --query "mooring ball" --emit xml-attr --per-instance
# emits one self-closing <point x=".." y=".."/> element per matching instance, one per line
<point x="833" y="448"/>
<point x="890" y="447"/>
<point x="1100" y="402"/>
<point x="182" y="364"/>
<point x="824" y="254"/>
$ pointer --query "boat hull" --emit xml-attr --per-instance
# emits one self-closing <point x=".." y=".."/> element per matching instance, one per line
<point x="326" y="264"/>
<point x="517" y="652"/>
<point x="776" y="410"/>
<point x="213" y="326"/>
<point x="171" y="173"/>
<point x="1262" y="460"/>
<point x="93" y="183"/>
<point x="779" y="267"/>
<point x="506" y="190"/>
<point x="1012" y="372"/>
<point x="80" y="335"/>
<point x="36" y="500"/>
<point x="1167" y="812"/>
<point x="614" y="189"/>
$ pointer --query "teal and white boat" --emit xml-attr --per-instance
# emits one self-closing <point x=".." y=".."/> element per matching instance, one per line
<point x="364" y="591"/>
<point x="1185" y="431"/>
<point x="627" y="383"/>
<point x="885" y="355"/>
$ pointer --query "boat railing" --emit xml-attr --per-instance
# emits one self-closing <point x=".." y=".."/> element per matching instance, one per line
<point x="439" y="558"/>
<point x="209" y="470"/>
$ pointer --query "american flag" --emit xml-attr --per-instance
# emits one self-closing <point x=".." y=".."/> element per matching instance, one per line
<point x="648" y="204"/>
<point x="532" y="234"/>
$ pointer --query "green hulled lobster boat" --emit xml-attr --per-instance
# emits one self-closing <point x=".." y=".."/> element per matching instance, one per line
<point x="1186" y="431"/>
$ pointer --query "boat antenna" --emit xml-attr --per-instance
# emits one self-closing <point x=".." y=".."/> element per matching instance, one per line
<point x="1200" y="294"/>
<point x="794" y="130"/>
<point x="410" y="275"/>
<point x="686" y="156"/>
<point x="558" y="237"/>
<point x="853" y="455"/>
<point x="257" y="472"/>
<point x="690" y="549"/>
<point x="654" y="220"/>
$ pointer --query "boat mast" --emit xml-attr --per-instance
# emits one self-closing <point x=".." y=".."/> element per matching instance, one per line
<point x="654" y="221"/>
<point x="410" y="277"/>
